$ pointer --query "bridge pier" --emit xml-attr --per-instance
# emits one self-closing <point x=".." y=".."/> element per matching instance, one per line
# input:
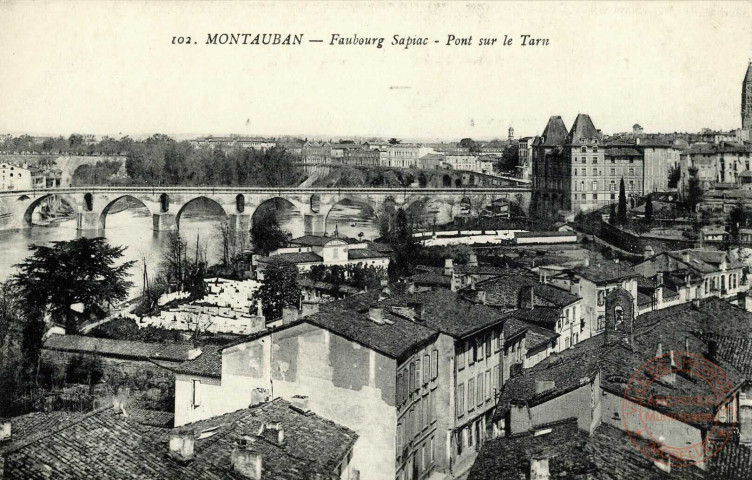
<point x="87" y="221"/>
<point x="163" y="222"/>
<point x="315" y="223"/>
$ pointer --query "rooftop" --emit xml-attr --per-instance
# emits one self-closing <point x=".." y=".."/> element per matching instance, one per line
<point x="106" y="444"/>
<point x="555" y="132"/>
<point x="177" y="352"/>
<point x="583" y="129"/>
<point x="208" y="364"/>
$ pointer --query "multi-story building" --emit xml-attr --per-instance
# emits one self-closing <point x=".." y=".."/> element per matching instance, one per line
<point x="592" y="283"/>
<point x="414" y="375"/>
<point x="227" y="143"/>
<point x="404" y="155"/>
<point x="458" y="161"/>
<point x="525" y="162"/>
<point x="747" y="99"/>
<point x="705" y="273"/>
<point x="359" y="155"/>
<point x="658" y="158"/>
<point x="548" y="171"/>
<point x="14" y="177"/>
<point x="723" y="163"/>
<point x="316" y="152"/>
<point x="622" y="163"/>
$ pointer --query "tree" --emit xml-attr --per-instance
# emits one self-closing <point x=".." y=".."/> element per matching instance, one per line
<point x="694" y="191"/>
<point x="394" y="141"/>
<point x="649" y="210"/>
<point x="621" y="214"/>
<point x="510" y="158"/>
<point x="10" y="308"/>
<point x="280" y="289"/>
<point x="267" y="235"/>
<point x="674" y="175"/>
<point x="737" y="218"/>
<point x="174" y="260"/>
<point x="82" y="271"/>
<point x="405" y="246"/>
<point x="612" y="214"/>
<point x="470" y="144"/>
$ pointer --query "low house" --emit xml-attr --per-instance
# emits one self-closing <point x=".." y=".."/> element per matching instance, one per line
<point x="275" y="439"/>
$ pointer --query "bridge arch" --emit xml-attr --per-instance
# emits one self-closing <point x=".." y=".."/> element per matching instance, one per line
<point x="193" y="200"/>
<point x="29" y="212"/>
<point x="292" y="220"/>
<point x="367" y="215"/>
<point x="108" y="207"/>
<point x="458" y="182"/>
<point x="446" y="181"/>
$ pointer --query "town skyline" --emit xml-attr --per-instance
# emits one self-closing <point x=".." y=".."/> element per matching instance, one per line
<point x="616" y="67"/>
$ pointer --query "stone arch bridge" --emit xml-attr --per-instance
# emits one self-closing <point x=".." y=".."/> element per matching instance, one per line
<point x="166" y="204"/>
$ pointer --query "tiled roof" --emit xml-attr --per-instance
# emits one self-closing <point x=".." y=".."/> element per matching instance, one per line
<point x="105" y="444"/>
<point x="622" y="152"/>
<point x="364" y="254"/>
<point x="292" y="257"/>
<point x="208" y="364"/>
<point x="737" y="351"/>
<point x="608" y="454"/>
<point x="503" y="291"/>
<point x="432" y="278"/>
<point x="546" y="317"/>
<point x="555" y="132"/>
<point x="606" y="272"/>
<point x="582" y="128"/>
<point x="119" y="348"/>
<point x="25" y="425"/>
<point x="313" y="240"/>
<point x="154" y="418"/>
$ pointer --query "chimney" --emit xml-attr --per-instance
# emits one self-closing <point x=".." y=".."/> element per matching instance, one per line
<point x="181" y="446"/>
<point x="300" y="404"/>
<point x="586" y="261"/>
<point x="376" y="315"/>
<point x="247" y="462"/>
<point x="659" y="278"/>
<point x="259" y="396"/>
<point x="289" y="315"/>
<point x="410" y="287"/>
<point x="480" y="296"/>
<point x="448" y="267"/>
<point x="685" y="256"/>
<point x="273" y="432"/>
<point x="472" y="260"/>
<point x="419" y="310"/>
<point x="712" y="350"/>
<point x="539" y="468"/>
<point x="5" y="430"/>
<point x="309" y="308"/>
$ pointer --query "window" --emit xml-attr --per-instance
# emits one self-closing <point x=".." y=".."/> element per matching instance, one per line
<point x="595" y="196"/>
<point x="601" y="323"/>
<point x="595" y="149"/>
<point x="488" y="384"/>
<point x="488" y="346"/>
<point x="473" y="351"/>
<point x="471" y="394"/>
<point x="499" y="340"/>
<point x="582" y="187"/>
<point x="566" y="342"/>
<point x="426" y="368"/>
<point x="435" y="364"/>
<point x="432" y="449"/>
<point x="410" y="425"/>
<point x="461" y="356"/>
<point x="583" y="149"/>
<point x="427" y="404"/>
<point x="400" y="390"/>
<point x="595" y="159"/>
<point x="481" y="348"/>
<point x="618" y="315"/>
<point x="631" y="170"/>
<point x="480" y="389"/>
<point x="411" y="386"/>
<point x="417" y="374"/>
<point x="613" y="196"/>
<point x="399" y="437"/>
<point x="495" y="379"/>
<point x="631" y="185"/>
<point x="196" y="393"/>
<point x="418" y="416"/>
<point x="595" y="185"/>
<point x="601" y="297"/>
<point x="613" y="186"/>
<point x="460" y="399"/>
<point x="423" y="457"/>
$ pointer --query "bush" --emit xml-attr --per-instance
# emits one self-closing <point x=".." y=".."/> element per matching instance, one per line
<point x="85" y="370"/>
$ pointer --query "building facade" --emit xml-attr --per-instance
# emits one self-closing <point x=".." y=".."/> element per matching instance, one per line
<point x="14" y="177"/>
<point x="747" y="99"/>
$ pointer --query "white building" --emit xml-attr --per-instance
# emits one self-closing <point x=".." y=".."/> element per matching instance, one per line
<point x="13" y="177"/>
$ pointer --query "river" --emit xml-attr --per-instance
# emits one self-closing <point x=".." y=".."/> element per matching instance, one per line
<point x="132" y="228"/>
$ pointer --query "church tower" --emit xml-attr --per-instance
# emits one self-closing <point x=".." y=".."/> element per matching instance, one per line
<point x="747" y="99"/>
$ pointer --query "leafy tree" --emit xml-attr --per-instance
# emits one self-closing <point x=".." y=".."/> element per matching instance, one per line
<point x="406" y="247"/>
<point x="694" y="193"/>
<point x="267" y="235"/>
<point x="280" y="289"/>
<point x="174" y="260"/>
<point x="674" y="175"/>
<point x="470" y="144"/>
<point x="10" y="308"/>
<point x="737" y="218"/>
<point x="649" y="210"/>
<point x="53" y="279"/>
<point x="394" y="141"/>
<point x="621" y="214"/>
<point x="510" y="158"/>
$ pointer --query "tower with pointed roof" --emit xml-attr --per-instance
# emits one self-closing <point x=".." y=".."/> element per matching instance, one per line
<point x="747" y="99"/>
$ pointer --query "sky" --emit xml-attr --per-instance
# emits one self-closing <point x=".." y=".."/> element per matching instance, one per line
<point x="110" y="68"/>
